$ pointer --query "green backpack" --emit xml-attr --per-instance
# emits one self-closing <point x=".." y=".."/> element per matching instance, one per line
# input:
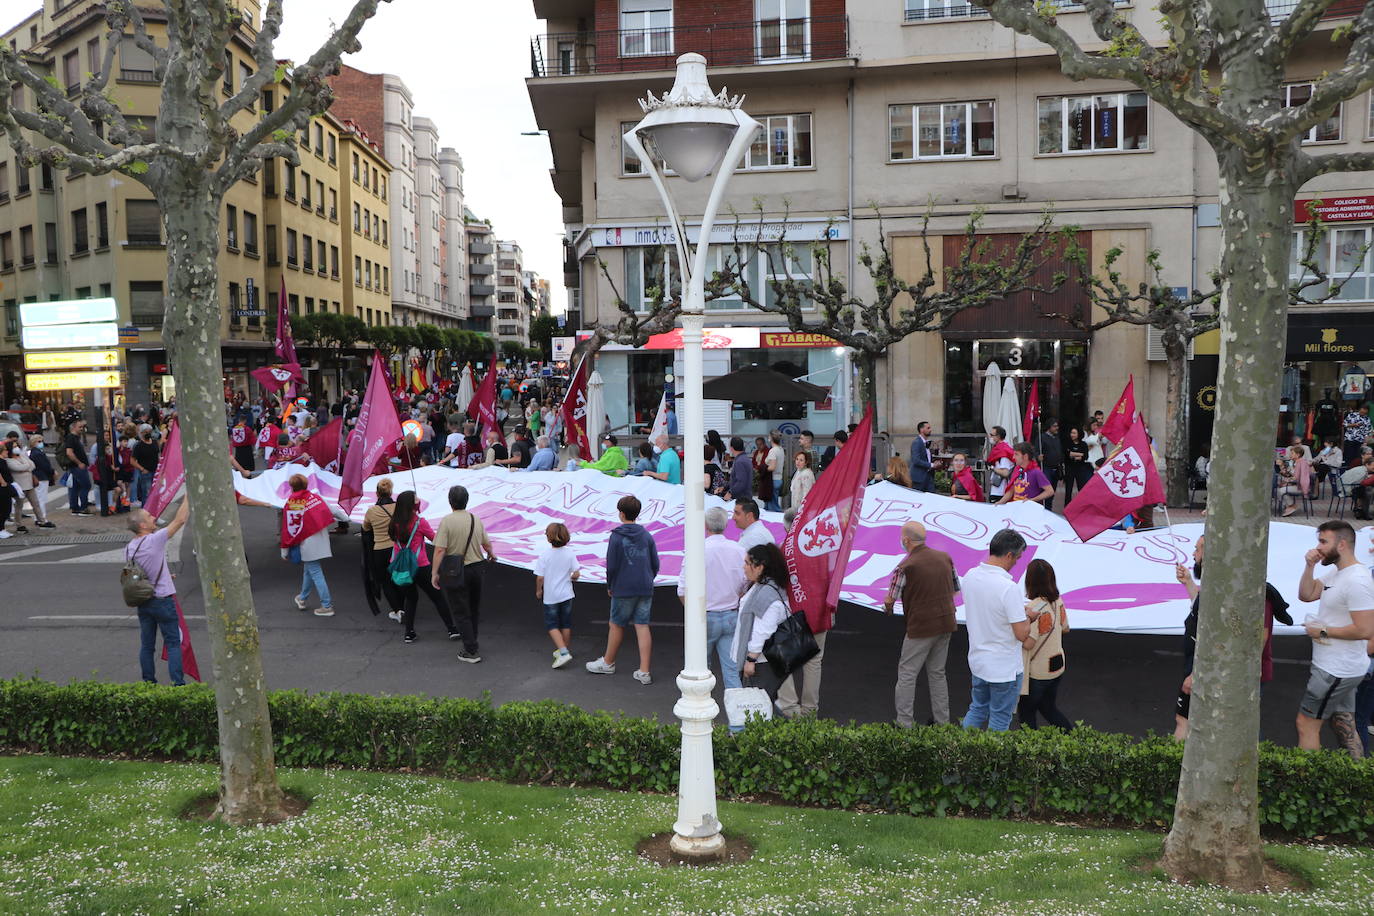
<point x="403" y="566"/>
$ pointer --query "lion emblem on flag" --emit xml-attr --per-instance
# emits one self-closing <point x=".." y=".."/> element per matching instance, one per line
<point x="821" y="535"/>
<point x="1124" y="473"/>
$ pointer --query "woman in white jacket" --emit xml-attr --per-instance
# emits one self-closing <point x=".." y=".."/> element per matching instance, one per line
<point x="761" y="612"/>
<point x="21" y="468"/>
<point x="1096" y="442"/>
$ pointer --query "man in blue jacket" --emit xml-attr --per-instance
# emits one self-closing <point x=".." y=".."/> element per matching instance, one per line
<point x="631" y="565"/>
<point x="922" y="478"/>
<point x="741" y="471"/>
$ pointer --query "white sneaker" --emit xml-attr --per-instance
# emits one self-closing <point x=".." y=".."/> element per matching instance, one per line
<point x="394" y="615"/>
<point x="600" y="667"/>
<point x="561" y="657"/>
<point x="300" y="602"/>
<point x="324" y="612"/>
<point x="5" y="534"/>
<point x="644" y="678"/>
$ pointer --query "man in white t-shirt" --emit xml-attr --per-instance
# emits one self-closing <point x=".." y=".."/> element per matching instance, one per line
<point x="776" y="461"/>
<point x="995" y="612"/>
<point x="1343" y="624"/>
<point x="751" y="530"/>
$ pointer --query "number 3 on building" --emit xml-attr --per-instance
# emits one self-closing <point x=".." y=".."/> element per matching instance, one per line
<point x="1015" y="356"/>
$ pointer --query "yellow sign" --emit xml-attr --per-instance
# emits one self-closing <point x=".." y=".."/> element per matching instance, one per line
<point x="72" y="359"/>
<point x="70" y="381"/>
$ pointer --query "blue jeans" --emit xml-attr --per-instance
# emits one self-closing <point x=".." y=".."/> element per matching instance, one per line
<point x="143" y="482"/>
<point x="631" y="610"/>
<point x="79" y="489"/>
<point x="720" y="636"/>
<point x="312" y="574"/>
<point x="775" y="504"/>
<point x="160" y="614"/>
<point x="993" y="704"/>
<point x="558" y="616"/>
<point x="1364" y="707"/>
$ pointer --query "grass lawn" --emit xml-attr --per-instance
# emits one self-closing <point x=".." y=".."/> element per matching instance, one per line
<point x="92" y="836"/>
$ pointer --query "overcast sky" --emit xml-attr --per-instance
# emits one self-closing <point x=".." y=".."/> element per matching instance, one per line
<point x="465" y="62"/>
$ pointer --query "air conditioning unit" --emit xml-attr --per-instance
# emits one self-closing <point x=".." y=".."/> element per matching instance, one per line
<point x="1154" y="345"/>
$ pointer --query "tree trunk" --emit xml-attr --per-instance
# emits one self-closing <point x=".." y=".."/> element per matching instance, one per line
<point x="1176" y="422"/>
<point x="868" y="383"/>
<point x="249" y="793"/>
<point x="1215" y="836"/>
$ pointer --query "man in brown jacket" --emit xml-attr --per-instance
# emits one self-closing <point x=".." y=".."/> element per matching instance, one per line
<point x="926" y="582"/>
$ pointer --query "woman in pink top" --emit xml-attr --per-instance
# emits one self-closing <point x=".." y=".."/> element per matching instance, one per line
<point x="409" y="531"/>
<point x="1296" y="481"/>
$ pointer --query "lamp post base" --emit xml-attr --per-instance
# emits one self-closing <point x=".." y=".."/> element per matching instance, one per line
<point x="698" y="847"/>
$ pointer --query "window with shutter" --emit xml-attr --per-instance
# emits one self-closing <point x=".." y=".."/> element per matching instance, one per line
<point x="146" y="306"/>
<point x="143" y="223"/>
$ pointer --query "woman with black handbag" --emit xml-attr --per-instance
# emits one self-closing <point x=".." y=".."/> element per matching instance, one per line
<point x="762" y="610"/>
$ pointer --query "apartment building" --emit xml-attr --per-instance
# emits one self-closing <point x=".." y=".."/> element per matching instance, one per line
<point x="512" y="307"/>
<point x="541" y="294"/>
<point x="908" y="104"/>
<point x="426" y="201"/>
<point x="481" y="252"/>
<point x="65" y="235"/>
<point x="366" y="244"/>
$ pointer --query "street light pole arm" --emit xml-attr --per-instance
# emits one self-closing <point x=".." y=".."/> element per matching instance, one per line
<point x="745" y="130"/>
<point x="631" y="139"/>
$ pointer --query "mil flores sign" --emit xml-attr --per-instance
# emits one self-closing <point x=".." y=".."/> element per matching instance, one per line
<point x="1331" y="336"/>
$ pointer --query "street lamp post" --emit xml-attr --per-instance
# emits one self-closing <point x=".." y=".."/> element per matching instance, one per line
<point x="694" y="133"/>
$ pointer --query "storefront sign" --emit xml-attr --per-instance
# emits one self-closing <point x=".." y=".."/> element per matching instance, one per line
<point x="128" y="336"/>
<point x="711" y="339"/>
<point x="1331" y="336"/>
<point x="563" y="348"/>
<point x="63" y="337"/>
<point x="76" y="311"/>
<point x="1336" y="210"/>
<point x="72" y="359"/>
<point x="797" y="340"/>
<point x="70" y="381"/>
<point x="792" y="230"/>
<point x="250" y="313"/>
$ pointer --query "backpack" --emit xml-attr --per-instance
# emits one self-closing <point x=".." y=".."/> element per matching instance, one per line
<point x="404" y="566"/>
<point x="135" y="585"/>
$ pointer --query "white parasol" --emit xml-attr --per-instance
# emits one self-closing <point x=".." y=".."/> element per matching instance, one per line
<point x="1011" y="411"/>
<point x="464" y="396"/>
<point x="992" y="398"/>
<point x="596" y="413"/>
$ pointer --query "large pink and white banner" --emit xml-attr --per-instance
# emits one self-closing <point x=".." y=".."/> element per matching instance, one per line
<point x="1118" y="582"/>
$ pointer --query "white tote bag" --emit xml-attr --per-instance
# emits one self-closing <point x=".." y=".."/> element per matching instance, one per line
<point x="743" y="703"/>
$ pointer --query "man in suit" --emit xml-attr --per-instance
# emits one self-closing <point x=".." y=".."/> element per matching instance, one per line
<point x="918" y="465"/>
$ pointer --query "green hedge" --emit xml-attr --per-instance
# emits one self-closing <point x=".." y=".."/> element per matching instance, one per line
<point x="940" y="770"/>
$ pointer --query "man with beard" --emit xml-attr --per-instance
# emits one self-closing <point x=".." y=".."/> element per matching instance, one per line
<point x="1339" y="631"/>
<point x="1275" y="608"/>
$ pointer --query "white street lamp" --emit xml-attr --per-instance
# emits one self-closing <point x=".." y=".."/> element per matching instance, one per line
<point x="694" y="133"/>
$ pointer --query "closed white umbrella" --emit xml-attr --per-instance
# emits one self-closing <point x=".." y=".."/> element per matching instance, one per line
<point x="596" y="412"/>
<point x="992" y="398"/>
<point x="464" y="396"/>
<point x="1011" y="411"/>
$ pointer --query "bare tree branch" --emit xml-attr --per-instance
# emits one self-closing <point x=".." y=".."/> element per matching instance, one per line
<point x="1312" y="166"/>
<point x="264" y="60"/>
<point x="1296" y="26"/>
<point x="1355" y="77"/>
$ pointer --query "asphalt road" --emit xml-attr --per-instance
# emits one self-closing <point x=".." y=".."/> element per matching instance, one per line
<point x="61" y="619"/>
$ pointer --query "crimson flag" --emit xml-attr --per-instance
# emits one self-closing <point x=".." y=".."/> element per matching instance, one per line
<point x="304" y="515"/>
<point x="377" y="430"/>
<point x="817" y="547"/>
<point x="285" y="346"/>
<point x="1122" y="417"/>
<point x="1127" y="481"/>
<point x="278" y="375"/>
<point x="267" y="437"/>
<point x="574" y="412"/>
<point x="170" y="474"/>
<point x="1032" y="415"/>
<point x="483" y="405"/>
<point x="325" y="446"/>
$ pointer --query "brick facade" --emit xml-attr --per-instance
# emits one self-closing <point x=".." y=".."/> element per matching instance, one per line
<point x="723" y="31"/>
<point x="359" y="97"/>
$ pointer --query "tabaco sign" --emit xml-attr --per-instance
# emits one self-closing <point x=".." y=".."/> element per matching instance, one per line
<point x="796" y="339"/>
<point x="1331" y="337"/>
<point x="1335" y="210"/>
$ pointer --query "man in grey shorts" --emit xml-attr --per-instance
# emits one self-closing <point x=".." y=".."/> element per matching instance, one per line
<point x="1344" y="621"/>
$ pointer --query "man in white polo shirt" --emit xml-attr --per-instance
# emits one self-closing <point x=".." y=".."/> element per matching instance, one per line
<point x="995" y="612"/>
<point x="1340" y="630"/>
<point x="725" y="582"/>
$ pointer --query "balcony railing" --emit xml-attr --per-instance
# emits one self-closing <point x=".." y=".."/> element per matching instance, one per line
<point x="138" y="76"/>
<point x="723" y="45"/>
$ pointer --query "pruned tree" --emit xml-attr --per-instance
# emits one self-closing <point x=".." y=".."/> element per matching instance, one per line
<point x="1180" y="319"/>
<point x="543" y="329"/>
<point x="633" y="327"/>
<point x="200" y="148"/>
<point x="1220" y="67"/>
<point x="820" y="301"/>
